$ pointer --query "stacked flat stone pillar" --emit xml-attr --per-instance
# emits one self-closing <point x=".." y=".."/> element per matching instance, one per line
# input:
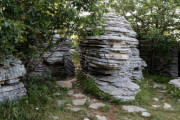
<point x="10" y="86"/>
<point x="113" y="58"/>
<point x="55" y="61"/>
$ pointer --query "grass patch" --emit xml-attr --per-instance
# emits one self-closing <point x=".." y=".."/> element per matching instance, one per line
<point x="39" y="104"/>
<point x="158" y="78"/>
<point x="88" y="85"/>
<point x="145" y="95"/>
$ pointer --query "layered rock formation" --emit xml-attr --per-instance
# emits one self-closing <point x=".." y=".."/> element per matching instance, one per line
<point x="113" y="58"/>
<point x="55" y="61"/>
<point x="10" y="86"/>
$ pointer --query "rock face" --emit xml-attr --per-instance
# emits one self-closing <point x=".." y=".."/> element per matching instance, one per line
<point x="10" y="86"/>
<point x="113" y="58"/>
<point x="55" y="61"/>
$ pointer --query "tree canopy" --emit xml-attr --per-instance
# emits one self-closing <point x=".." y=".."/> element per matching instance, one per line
<point x="26" y="24"/>
<point x="157" y="23"/>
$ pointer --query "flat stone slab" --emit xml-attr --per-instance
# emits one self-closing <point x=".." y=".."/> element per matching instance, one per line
<point x="60" y="102"/>
<point x="132" y="108"/>
<point x="167" y="106"/>
<point x="75" y="109"/>
<point x="156" y="106"/>
<point x="79" y="102"/>
<point x="64" y="84"/>
<point x="79" y="95"/>
<point x="86" y="118"/>
<point x="175" y="82"/>
<point x="70" y="92"/>
<point x="54" y="117"/>
<point x="156" y="99"/>
<point x="96" y="105"/>
<point x="146" y="114"/>
<point x="101" y="117"/>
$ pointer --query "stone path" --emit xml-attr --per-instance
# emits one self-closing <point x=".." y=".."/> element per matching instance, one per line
<point x="94" y="107"/>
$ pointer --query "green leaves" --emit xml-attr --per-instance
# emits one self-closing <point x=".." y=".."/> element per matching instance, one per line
<point x="26" y="25"/>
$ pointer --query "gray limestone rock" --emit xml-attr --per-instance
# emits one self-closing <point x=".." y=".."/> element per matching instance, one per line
<point x="175" y="82"/>
<point x="55" y="61"/>
<point x="146" y="114"/>
<point x="101" y="117"/>
<point x="96" y="105"/>
<point x="79" y="102"/>
<point x="113" y="58"/>
<point x="131" y="108"/>
<point x="10" y="86"/>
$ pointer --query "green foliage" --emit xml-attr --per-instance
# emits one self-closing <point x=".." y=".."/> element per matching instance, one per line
<point x="105" y="108"/>
<point x="32" y="106"/>
<point x="158" y="78"/>
<point x="145" y="95"/>
<point x="89" y="86"/>
<point x="26" y="25"/>
<point x="157" y="25"/>
<point x="174" y="91"/>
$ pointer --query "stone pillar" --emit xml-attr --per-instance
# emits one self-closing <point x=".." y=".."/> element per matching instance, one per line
<point x="10" y="86"/>
<point x="55" y="61"/>
<point x="113" y="58"/>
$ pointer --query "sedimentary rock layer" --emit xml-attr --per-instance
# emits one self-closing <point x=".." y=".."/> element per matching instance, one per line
<point x="10" y="86"/>
<point x="55" y="61"/>
<point x="113" y="58"/>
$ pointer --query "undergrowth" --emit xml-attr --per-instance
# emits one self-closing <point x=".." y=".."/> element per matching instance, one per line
<point x="88" y="85"/>
<point x="36" y="105"/>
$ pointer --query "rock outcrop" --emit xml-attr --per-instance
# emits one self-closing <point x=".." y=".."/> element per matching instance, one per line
<point x="113" y="58"/>
<point x="10" y="86"/>
<point x="175" y="82"/>
<point x="55" y="61"/>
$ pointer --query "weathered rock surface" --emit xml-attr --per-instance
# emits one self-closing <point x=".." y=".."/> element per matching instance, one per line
<point x="175" y="82"/>
<point x="101" y="117"/>
<point x="113" y="58"/>
<point x="131" y="108"/>
<point x="55" y="61"/>
<point x="146" y="114"/>
<point x="167" y="106"/>
<point x="79" y="101"/>
<point x="10" y="86"/>
<point x="96" y="105"/>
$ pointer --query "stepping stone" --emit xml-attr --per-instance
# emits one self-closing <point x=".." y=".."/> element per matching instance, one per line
<point x="132" y="108"/>
<point x="156" y="99"/>
<point x="146" y="114"/>
<point x="96" y="105"/>
<point x="156" y="106"/>
<point x="158" y="86"/>
<point x="54" y="117"/>
<point x="79" y="95"/>
<point x="101" y="117"/>
<point x="79" y="102"/>
<point x="57" y="94"/>
<point x="86" y="118"/>
<point x="167" y="106"/>
<point x="70" y="92"/>
<point x="75" y="109"/>
<point x="60" y="102"/>
<point x="65" y="84"/>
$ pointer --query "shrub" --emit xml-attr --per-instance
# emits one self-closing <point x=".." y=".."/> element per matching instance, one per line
<point x="88" y="85"/>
